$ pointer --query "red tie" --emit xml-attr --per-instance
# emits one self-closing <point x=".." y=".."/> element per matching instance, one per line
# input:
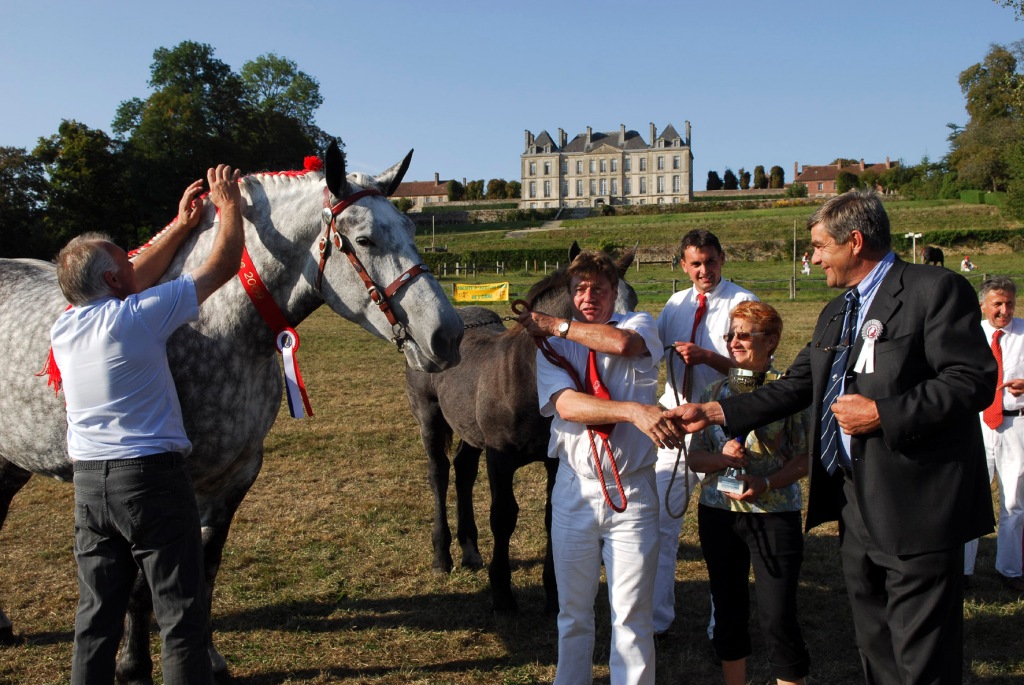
<point x="993" y="415"/>
<point x="702" y="308"/>
<point x="595" y="387"/>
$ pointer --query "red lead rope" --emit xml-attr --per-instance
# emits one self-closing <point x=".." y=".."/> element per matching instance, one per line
<point x="558" y="360"/>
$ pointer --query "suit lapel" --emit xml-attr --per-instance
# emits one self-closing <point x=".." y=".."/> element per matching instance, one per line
<point x="884" y="305"/>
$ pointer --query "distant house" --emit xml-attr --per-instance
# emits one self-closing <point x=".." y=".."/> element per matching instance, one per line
<point x="617" y="168"/>
<point x="423" y="193"/>
<point x="821" y="180"/>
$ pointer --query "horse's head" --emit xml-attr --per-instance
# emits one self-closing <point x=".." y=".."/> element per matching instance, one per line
<point x="370" y="271"/>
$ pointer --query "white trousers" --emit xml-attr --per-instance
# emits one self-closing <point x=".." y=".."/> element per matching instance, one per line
<point x="668" y="532"/>
<point x="1004" y="452"/>
<point x="584" y="532"/>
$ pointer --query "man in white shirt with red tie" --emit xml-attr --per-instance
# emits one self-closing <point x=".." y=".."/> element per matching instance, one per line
<point x="693" y="322"/>
<point x="1002" y="427"/>
<point x="604" y="506"/>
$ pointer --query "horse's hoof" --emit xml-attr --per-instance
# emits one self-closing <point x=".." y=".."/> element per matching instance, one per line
<point x="507" y="606"/>
<point x="441" y="569"/>
<point x="473" y="562"/>
<point x="9" y="639"/>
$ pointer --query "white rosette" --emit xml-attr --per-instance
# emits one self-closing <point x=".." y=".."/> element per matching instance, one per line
<point x="288" y="344"/>
<point x="870" y="331"/>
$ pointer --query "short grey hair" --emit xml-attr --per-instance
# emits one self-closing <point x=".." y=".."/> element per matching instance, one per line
<point x="81" y="266"/>
<point x="857" y="210"/>
<point x="1004" y="283"/>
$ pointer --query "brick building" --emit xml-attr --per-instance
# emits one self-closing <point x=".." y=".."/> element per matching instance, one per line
<point x="821" y="180"/>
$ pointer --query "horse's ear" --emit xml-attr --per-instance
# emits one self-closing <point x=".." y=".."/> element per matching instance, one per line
<point x="334" y="171"/>
<point x="625" y="261"/>
<point x="574" y="251"/>
<point x="393" y="176"/>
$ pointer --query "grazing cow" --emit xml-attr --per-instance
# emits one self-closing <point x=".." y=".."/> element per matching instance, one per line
<point x="933" y="255"/>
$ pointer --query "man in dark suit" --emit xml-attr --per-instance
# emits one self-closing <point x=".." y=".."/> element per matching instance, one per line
<point x="896" y="372"/>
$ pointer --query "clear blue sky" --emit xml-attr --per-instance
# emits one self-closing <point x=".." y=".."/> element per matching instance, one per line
<point x="761" y="82"/>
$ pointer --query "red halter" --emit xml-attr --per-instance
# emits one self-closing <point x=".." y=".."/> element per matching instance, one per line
<point x="333" y="235"/>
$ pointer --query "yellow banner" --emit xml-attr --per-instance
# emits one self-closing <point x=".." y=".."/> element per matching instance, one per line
<point x="485" y="292"/>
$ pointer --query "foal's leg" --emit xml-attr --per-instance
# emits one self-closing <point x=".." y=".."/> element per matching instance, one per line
<point x="436" y="436"/>
<point x="504" y="516"/>
<point x="12" y="479"/>
<point x="467" y="466"/>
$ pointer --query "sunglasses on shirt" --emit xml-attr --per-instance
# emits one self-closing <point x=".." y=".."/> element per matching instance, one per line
<point x="743" y="336"/>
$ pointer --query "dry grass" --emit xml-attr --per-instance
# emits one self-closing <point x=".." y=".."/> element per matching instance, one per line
<point x="326" y="575"/>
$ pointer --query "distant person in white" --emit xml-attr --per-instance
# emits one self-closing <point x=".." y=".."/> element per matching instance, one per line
<point x="699" y="357"/>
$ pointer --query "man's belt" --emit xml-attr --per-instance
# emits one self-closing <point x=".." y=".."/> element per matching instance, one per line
<point x="1013" y="412"/>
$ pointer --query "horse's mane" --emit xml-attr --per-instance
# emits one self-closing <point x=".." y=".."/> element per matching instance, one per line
<point x="541" y="287"/>
<point x="256" y="177"/>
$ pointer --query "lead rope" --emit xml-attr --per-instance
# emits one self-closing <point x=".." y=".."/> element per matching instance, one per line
<point x="681" y="452"/>
<point x="558" y="360"/>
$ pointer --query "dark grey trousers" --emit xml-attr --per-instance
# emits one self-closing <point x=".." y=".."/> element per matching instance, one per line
<point x="132" y="515"/>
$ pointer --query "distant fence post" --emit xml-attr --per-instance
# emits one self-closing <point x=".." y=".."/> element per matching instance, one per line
<point x="792" y="287"/>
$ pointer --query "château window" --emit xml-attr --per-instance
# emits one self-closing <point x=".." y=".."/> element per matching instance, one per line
<point x="661" y="163"/>
<point x="533" y="168"/>
<point x="643" y="164"/>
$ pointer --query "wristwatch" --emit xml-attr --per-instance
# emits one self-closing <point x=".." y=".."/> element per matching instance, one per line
<point x="563" y="328"/>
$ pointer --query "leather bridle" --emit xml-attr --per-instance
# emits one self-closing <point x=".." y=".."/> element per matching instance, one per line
<point x="332" y="235"/>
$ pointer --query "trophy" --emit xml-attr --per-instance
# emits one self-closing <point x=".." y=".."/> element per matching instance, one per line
<point x="731" y="481"/>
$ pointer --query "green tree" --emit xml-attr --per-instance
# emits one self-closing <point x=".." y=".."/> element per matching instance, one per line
<point x="744" y="178"/>
<point x="87" y="187"/>
<point x="869" y="178"/>
<point x="796" y="189"/>
<point x="760" y="180"/>
<point x="514" y="190"/>
<point x="846" y="180"/>
<point x="777" y="177"/>
<point x="403" y="204"/>
<point x="23" y="190"/>
<point x="497" y="189"/>
<point x="456" y="191"/>
<point x="275" y="84"/>
<point x="475" y="190"/>
<point x="714" y="181"/>
<point x="845" y="161"/>
<point x="729" y="180"/>
<point x="981" y="153"/>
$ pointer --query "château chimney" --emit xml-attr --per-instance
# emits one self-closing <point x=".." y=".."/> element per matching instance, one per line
<point x="529" y="139"/>
<point x="622" y="134"/>
<point x="437" y="178"/>
<point x="687" y="132"/>
<point x="590" y="132"/>
<point x="862" y="164"/>
<point x="562" y="138"/>
<point x="795" y="171"/>
<point x="654" y="131"/>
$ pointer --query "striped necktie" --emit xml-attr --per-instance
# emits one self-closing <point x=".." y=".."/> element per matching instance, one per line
<point x="832" y="451"/>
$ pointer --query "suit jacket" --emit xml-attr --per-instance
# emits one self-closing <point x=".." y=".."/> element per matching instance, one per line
<point x="920" y="480"/>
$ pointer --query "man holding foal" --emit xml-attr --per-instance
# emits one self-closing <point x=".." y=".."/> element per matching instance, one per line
<point x="135" y="509"/>
<point x="605" y="500"/>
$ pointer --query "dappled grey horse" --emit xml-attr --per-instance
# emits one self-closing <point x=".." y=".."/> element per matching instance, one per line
<point x="490" y="401"/>
<point x="225" y="365"/>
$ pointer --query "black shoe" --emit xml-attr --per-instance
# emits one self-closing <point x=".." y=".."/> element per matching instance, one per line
<point x="1015" y="584"/>
<point x="968" y="581"/>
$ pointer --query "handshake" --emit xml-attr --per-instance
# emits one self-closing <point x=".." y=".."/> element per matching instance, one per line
<point x="667" y="428"/>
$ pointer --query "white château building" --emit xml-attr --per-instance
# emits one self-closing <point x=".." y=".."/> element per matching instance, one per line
<point x="616" y="168"/>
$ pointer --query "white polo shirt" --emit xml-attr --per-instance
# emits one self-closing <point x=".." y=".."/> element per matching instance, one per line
<point x="569" y="441"/>
<point x="112" y="355"/>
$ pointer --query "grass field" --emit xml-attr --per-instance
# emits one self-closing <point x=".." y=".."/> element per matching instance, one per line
<point x="326" y="576"/>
